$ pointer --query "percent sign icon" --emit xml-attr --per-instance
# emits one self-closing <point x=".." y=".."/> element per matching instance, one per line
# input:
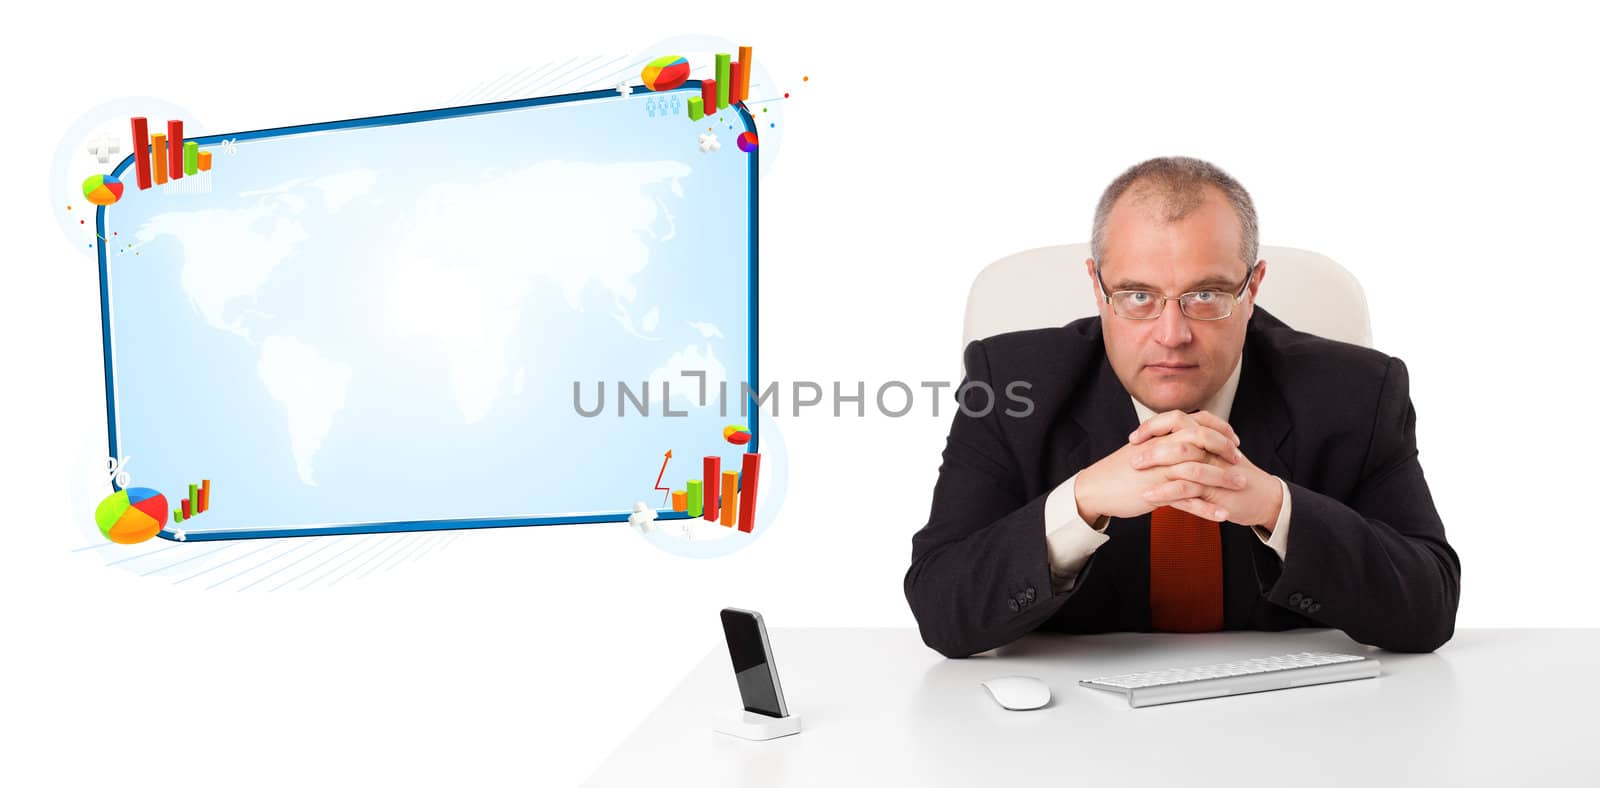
<point x="117" y="470"/>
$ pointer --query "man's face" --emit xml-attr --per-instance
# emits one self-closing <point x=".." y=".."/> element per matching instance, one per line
<point x="1173" y="362"/>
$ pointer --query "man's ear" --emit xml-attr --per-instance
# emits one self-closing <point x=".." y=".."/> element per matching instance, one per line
<point x="1255" y="284"/>
<point x="1094" y="281"/>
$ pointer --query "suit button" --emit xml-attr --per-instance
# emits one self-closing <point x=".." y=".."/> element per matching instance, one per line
<point x="1305" y="604"/>
<point x="1014" y="606"/>
<point x="1315" y="606"/>
<point x="1294" y="598"/>
<point x="1030" y="594"/>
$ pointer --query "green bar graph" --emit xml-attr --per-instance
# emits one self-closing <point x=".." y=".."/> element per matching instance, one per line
<point x="724" y="73"/>
<point x="191" y="158"/>
<point x="194" y="497"/>
<point x="695" y="502"/>
<point x="177" y="515"/>
<point x="697" y="108"/>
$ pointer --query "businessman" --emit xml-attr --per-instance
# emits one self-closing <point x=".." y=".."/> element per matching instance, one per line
<point x="1190" y="463"/>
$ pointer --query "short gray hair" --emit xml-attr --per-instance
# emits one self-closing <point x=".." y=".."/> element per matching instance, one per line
<point x="1177" y="184"/>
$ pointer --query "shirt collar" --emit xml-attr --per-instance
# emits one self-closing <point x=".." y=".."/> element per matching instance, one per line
<point x="1221" y="404"/>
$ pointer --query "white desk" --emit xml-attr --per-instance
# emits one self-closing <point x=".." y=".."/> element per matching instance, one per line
<point x="1493" y="707"/>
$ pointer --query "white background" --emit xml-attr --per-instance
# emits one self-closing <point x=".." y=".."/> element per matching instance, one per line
<point x="1444" y="156"/>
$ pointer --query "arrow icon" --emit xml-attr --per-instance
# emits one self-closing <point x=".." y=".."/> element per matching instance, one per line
<point x="668" y="491"/>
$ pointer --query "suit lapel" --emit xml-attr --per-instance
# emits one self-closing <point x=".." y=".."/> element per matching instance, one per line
<point x="1261" y="419"/>
<point x="1104" y="411"/>
<point x="1260" y="416"/>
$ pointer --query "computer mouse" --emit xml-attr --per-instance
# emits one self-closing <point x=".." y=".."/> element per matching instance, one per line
<point x="1018" y="693"/>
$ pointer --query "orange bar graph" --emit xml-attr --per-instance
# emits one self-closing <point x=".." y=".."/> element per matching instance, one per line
<point x="205" y="494"/>
<point x="747" y="62"/>
<point x="730" y="497"/>
<point x="158" y="156"/>
<point x="205" y="161"/>
<point x="679" y="501"/>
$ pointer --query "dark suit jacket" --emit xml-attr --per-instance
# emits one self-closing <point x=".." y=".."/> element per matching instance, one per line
<point x="1366" y="553"/>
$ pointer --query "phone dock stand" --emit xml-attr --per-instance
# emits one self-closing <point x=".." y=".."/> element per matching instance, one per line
<point x="758" y="727"/>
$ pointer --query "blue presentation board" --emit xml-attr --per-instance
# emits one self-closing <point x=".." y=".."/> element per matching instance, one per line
<point x="402" y="322"/>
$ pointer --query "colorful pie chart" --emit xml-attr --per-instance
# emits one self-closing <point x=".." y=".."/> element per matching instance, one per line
<point x="131" y="516"/>
<point x="736" y="435"/>
<point x="748" y="142"/>
<point x="102" y="189"/>
<point x="665" y="73"/>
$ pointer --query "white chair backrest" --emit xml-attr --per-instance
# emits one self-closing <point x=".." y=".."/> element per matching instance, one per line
<point x="1048" y="287"/>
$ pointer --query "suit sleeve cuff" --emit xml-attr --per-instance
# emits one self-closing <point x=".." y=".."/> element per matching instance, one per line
<point x="1069" y="540"/>
<point x="1278" y="538"/>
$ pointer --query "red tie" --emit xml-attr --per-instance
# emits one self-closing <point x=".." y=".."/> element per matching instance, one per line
<point x="1185" y="572"/>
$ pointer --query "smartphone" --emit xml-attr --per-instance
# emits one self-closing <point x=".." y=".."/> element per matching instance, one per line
<point x="753" y="666"/>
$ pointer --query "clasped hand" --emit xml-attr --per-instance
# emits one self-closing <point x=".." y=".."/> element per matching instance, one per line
<point x="1189" y="461"/>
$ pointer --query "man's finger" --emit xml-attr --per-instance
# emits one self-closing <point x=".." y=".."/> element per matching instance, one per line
<point x="1201" y="509"/>
<point x="1192" y="444"/>
<point x="1208" y="419"/>
<point x="1174" y="420"/>
<point x="1206" y="474"/>
<point x="1160" y="424"/>
<point x="1167" y="452"/>
<point x="1170" y="492"/>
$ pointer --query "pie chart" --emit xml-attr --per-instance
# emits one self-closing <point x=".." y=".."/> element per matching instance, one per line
<point x="131" y="516"/>
<point x="665" y="73"/>
<point x="102" y="189"/>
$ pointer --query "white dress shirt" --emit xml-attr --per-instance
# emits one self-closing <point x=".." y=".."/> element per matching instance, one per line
<point x="1070" y="540"/>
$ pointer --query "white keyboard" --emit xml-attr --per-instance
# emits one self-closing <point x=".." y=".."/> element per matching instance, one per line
<point x="1155" y="687"/>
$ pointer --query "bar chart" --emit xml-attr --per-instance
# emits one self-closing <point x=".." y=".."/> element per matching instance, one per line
<point x="731" y="501"/>
<point x="159" y="159"/>
<point x="198" y="502"/>
<point x="141" y="151"/>
<point x="175" y="149"/>
<point x="729" y="85"/>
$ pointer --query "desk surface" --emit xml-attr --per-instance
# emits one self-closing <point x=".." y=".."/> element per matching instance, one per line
<point x="1493" y="706"/>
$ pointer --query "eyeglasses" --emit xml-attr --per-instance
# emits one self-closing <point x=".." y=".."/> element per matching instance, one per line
<point x="1198" y="305"/>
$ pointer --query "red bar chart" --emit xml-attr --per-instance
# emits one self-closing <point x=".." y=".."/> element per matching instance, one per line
<point x="141" y="150"/>
<point x="749" y="476"/>
<point x="710" y="481"/>
<point x="708" y="95"/>
<point x="175" y="149"/>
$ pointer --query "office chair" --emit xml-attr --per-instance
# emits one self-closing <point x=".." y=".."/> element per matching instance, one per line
<point x="1047" y="287"/>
